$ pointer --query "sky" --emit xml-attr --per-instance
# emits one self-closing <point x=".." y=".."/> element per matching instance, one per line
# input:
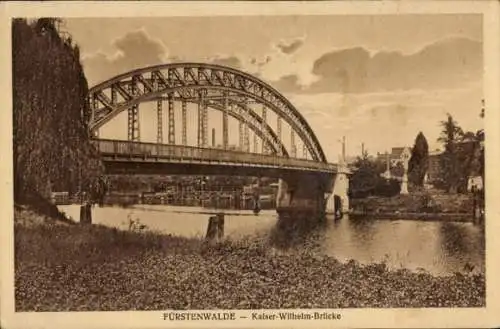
<point x="375" y="79"/>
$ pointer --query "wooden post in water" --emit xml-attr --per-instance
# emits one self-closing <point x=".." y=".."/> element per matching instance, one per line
<point x="215" y="229"/>
<point x="220" y="225"/>
<point x="212" y="228"/>
<point x="86" y="214"/>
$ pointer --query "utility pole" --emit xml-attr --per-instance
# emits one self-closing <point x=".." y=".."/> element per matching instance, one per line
<point x="343" y="148"/>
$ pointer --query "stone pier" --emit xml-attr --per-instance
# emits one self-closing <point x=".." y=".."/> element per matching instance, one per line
<point x="340" y="189"/>
<point x="303" y="195"/>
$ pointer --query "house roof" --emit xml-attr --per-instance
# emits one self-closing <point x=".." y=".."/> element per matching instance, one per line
<point x="397" y="151"/>
<point x="395" y="154"/>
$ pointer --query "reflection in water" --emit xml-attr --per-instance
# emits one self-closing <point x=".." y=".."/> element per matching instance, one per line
<point x="297" y="232"/>
<point x="464" y="243"/>
<point x="437" y="247"/>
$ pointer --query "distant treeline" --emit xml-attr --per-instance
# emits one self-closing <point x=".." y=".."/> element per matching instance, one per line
<point x="51" y="137"/>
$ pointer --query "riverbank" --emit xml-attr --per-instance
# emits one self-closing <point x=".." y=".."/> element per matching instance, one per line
<point x="451" y="217"/>
<point x="422" y="205"/>
<point x="61" y="267"/>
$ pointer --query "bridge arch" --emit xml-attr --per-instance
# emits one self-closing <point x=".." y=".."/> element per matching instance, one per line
<point x="187" y="81"/>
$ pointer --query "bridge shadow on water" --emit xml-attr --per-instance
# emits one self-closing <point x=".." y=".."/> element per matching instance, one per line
<point x="299" y="232"/>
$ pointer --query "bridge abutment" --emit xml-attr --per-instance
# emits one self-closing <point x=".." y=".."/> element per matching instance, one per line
<point x="339" y="190"/>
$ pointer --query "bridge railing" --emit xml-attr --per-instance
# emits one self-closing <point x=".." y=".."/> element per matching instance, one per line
<point x="192" y="153"/>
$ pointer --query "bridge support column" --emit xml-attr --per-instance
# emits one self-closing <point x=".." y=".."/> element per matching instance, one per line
<point x="264" y="123"/>
<point x="133" y="123"/>
<point x="255" y="143"/>
<point x="171" y="119"/>
<point x="159" y="119"/>
<point x="184" y="122"/>
<point x="241" y="136"/>
<point x="133" y="116"/>
<point x="340" y="189"/>
<point x="278" y="128"/>
<point x="293" y="152"/>
<point x="200" y="120"/>
<point x="225" y="128"/>
<point x="303" y="195"/>
<point x="246" y="133"/>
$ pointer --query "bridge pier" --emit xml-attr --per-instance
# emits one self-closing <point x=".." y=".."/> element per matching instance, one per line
<point x="340" y="190"/>
<point x="303" y="195"/>
<point x="313" y="195"/>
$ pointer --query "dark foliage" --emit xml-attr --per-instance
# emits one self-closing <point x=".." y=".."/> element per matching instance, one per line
<point x="450" y="166"/>
<point x="52" y="149"/>
<point x="419" y="161"/>
<point x="462" y="158"/>
<point x="367" y="180"/>
<point x="387" y="188"/>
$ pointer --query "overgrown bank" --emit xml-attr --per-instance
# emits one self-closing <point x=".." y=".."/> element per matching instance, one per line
<point x="418" y="205"/>
<point x="72" y="267"/>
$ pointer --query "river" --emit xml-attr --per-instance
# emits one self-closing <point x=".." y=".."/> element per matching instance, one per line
<point x="436" y="247"/>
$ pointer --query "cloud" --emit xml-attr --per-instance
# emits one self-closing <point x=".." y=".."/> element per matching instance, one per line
<point x="231" y="61"/>
<point x="399" y="114"/>
<point x="448" y="63"/>
<point x="288" y="83"/>
<point x="291" y="47"/>
<point x="135" y="49"/>
<point x="341" y="71"/>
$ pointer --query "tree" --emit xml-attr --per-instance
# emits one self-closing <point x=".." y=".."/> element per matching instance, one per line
<point x="52" y="149"/>
<point x="419" y="161"/>
<point x="471" y="155"/>
<point x="451" y="134"/>
<point x="366" y="179"/>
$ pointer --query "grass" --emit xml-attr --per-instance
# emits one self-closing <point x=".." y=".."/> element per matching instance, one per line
<point x="60" y="267"/>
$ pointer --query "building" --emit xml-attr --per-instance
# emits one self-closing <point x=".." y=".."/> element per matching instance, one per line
<point x="396" y="156"/>
<point x="474" y="183"/>
<point x="394" y="161"/>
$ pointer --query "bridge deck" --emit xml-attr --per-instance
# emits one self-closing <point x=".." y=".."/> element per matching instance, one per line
<point x="116" y="150"/>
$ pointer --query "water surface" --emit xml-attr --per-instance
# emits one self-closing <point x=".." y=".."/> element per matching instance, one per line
<point x="434" y="246"/>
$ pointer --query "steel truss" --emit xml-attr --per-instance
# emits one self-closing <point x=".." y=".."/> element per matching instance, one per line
<point x="184" y="81"/>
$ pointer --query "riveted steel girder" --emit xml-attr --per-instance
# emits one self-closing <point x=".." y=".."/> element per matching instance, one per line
<point x="184" y="80"/>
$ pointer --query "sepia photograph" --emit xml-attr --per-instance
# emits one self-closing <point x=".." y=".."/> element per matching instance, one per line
<point x="265" y="167"/>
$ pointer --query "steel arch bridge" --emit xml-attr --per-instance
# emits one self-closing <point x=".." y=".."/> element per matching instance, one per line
<point x="232" y="92"/>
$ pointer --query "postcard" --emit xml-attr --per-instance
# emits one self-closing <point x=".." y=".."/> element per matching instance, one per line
<point x="250" y="164"/>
